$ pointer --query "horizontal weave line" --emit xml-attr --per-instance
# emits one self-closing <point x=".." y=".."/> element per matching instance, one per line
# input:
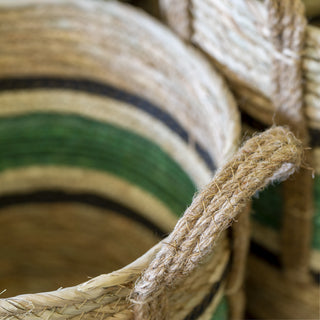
<point x="52" y="196"/>
<point x="266" y="255"/>
<point x="103" y="89"/>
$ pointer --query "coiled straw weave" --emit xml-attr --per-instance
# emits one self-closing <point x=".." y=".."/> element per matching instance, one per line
<point x="109" y="125"/>
<point x="270" y="156"/>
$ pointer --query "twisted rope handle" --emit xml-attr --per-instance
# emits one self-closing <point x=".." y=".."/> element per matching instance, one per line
<point x="273" y="155"/>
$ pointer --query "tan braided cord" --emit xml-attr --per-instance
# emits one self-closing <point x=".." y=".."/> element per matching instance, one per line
<point x="272" y="155"/>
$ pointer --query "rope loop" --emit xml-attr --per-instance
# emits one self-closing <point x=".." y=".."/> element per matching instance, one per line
<point x="272" y="155"/>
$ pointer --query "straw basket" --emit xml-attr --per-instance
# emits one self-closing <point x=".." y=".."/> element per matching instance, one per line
<point x="271" y="58"/>
<point x="109" y="125"/>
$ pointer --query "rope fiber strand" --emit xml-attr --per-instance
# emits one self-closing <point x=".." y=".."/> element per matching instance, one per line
<point x="272" y="155"/>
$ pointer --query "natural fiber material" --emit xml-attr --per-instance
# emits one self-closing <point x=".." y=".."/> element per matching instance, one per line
<point x="240" y="254"/>
<point x="287" y="26"/>
<point x="211" y="212"/>
<point x="103" y="108"/>
<point x="241" y="31"/>
<point x="178" y="11"/>
<point x="271" y="58"/>
<point x="294" y="300"/>
<point x="273" y="155"/>
<point x="46" y="221"/>
<point x="267" y="221"/>
<point x="312" y="7"/>
<point x="91" y="58"/>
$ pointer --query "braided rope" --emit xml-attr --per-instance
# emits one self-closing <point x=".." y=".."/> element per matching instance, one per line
<point x="270" y="156"/>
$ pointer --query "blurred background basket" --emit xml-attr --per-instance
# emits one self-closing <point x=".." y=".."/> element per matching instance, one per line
<point x="270" y="55"/>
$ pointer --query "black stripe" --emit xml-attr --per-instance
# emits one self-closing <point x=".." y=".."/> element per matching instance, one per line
<point x="314" y="137"/>
<point x="53" y="196"/>
<point x="263" y="253"/>
<point x="199" y="309"/>
<point x="259" y="126"/>
<point x="253" y="123"/>
<point x="316" y="277"/>
<point x="207" y="300"/>
<point x="107" y="90"/>
<point x="271" y="258"/>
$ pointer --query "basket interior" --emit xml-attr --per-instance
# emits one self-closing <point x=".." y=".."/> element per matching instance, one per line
<point x="105" y="136"/>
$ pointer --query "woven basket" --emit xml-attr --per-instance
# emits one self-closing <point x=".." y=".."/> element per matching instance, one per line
<point x="109" y="125"/>
<point x="271" y="58"/>
<point x="165" y="282"/>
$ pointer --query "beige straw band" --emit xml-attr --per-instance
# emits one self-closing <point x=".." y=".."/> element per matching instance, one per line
<point x="135" y="70"/>
<point x="107" y="110"/>
<point x="273" y="155"/>
<point x="177" y="14"/>
<point x="80" y="180"/>
<point x="240" y="30"/>
<point x="30" y="262"/>
<point x="107" y="294"/>
<point x="287" y="23"/>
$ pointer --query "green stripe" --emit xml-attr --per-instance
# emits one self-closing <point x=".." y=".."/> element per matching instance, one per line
<point x="75" y="141"/>
<point x="267" y="209"/>
<point x="222" y="312"/>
